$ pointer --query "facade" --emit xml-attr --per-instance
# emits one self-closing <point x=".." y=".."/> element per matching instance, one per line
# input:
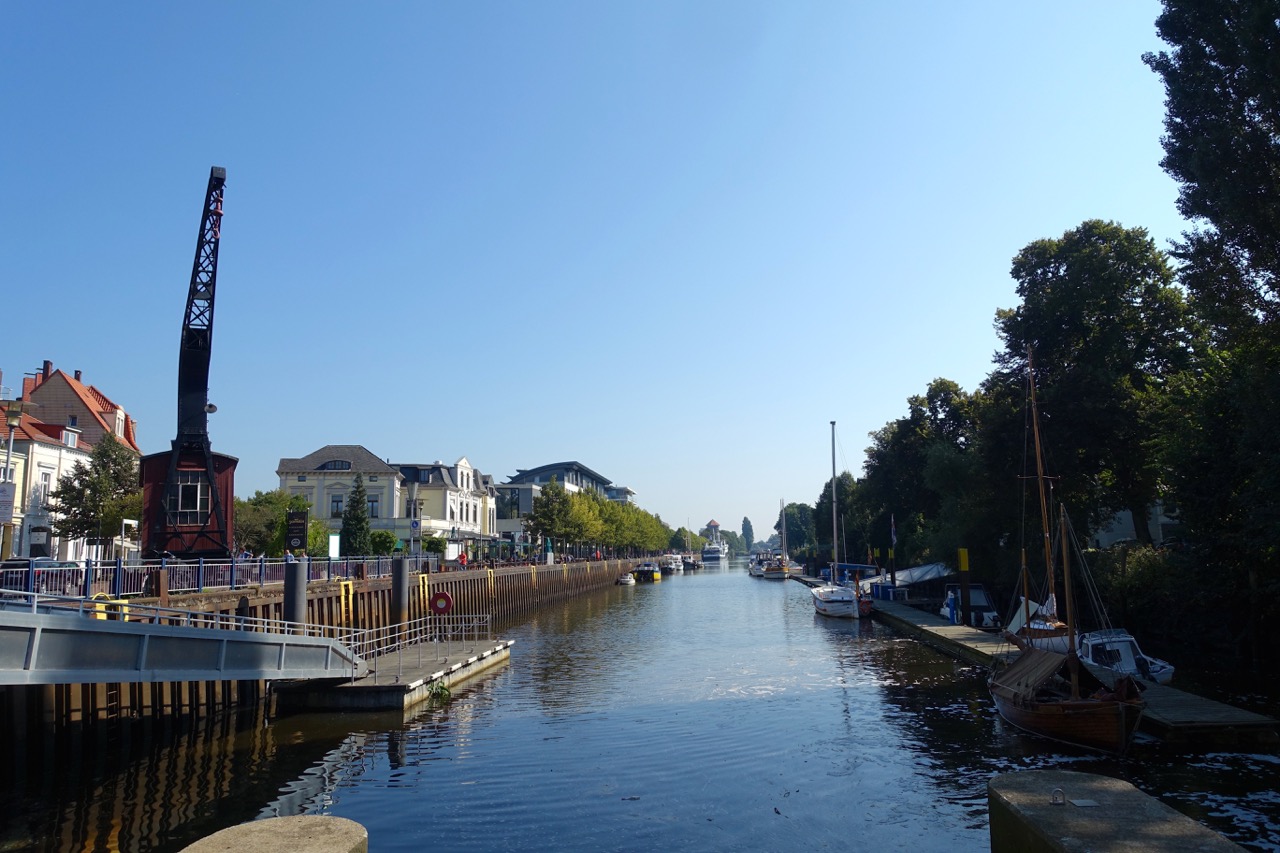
<point x="43" y="453"/>
<point x="455" y="502"/>
<point x="327" y="476"/>
<point x="411" y="500"/>
<point x="575" y="477"/>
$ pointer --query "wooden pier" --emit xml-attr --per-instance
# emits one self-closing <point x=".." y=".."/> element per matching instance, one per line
<point x="1174" y="716"/>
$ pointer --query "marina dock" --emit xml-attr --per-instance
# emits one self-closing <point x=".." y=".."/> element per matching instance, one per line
<point x="1172" y="715"/>
<point x="401" y="679"/>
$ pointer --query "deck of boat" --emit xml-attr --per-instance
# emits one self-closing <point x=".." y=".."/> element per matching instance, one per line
<point x="1172" y="715"/>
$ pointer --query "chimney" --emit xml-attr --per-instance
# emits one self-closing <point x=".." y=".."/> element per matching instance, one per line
<point x="77" y="376"/>
<point x="48" y="368"/>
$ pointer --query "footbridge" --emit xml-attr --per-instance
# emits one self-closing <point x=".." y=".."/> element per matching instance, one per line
<point x="54" y="640"/>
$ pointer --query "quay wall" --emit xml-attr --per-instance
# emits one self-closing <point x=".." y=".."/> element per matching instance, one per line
<point x="505" y="593"/>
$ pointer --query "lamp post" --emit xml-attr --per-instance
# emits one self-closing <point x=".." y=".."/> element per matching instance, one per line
<point x="8" y="489"/>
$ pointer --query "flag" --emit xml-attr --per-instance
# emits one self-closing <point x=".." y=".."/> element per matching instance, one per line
<point x="893" y="531"/>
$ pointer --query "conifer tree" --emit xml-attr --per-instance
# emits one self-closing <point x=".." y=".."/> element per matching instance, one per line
<point x="355" y="538"/>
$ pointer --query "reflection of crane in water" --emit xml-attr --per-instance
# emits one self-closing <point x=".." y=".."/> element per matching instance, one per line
<point x="186" y="492"/>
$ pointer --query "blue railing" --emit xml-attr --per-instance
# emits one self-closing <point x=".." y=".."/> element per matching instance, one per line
<point x="117" y="579"/>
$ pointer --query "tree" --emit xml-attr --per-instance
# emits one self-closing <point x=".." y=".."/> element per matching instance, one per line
<point x="1107" y="328"/>
<point x="382" y="542"/>
<point x="355" y="541"/>
<point x="549" y="515"/>
<point x="91" y="499"/>
<point x="1221" y="146"/>
<point x="748" y="535"/>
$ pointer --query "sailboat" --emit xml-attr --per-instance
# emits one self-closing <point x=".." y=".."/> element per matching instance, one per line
<point x="835" y="599"/>
<point x="778" y="568"/>
<point x="1052" y="693"/>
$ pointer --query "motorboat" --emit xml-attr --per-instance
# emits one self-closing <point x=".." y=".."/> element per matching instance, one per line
<point x="1117" y="650"/>
<point x="982" y="613"/>
<point x="626" y="579"/>
<point x="836" y="600"/>
<point x="672" y="564"/>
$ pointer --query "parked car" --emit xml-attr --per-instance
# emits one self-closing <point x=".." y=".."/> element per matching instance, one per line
<point x="52" y="577"/>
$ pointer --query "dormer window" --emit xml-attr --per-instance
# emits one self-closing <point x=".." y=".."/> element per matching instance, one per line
<point x="336" y="465"/>
<point x="70" y="438"/>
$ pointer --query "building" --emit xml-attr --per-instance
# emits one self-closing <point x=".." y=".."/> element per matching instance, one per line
<point x="42" y="454"/>
<point x="414" y="501"/>
<point x="66" y="400"/>
<point x="455" y="502"/>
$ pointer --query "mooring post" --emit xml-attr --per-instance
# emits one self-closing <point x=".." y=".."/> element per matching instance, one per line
<point x="295" y="591"/>
<point x="399" y="591"/>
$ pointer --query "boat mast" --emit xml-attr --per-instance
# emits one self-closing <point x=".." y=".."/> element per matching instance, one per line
<point x="1044" y="506"/>
<point x="835" y="553"/>
<point x="1071" y="616"/>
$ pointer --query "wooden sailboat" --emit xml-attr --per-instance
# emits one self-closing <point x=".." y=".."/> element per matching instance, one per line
<point x="1051" y="693"/>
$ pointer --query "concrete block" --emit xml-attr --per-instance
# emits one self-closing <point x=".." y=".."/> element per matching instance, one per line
<point x="296" y="834"/>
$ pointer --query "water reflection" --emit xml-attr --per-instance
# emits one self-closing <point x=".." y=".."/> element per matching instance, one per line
<point x="711" y="711"/>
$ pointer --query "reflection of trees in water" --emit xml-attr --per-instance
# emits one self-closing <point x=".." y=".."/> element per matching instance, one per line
<point x="135" y="786"/>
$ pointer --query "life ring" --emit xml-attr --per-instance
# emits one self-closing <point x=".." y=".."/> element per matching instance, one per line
<point x="441" y="603"/>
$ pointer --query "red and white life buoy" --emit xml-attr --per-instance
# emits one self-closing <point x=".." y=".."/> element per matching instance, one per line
<point x="441" y="603"/>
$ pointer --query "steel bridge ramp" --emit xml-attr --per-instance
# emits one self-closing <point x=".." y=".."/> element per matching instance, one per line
<point x="47" y="640"/>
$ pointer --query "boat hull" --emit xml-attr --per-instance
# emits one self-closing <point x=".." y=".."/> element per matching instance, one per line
<point x="1107" y="726"/>
<point x="837" y="602"/>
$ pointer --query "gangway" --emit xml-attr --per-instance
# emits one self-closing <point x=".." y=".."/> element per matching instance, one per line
<point x="55" y="640"/>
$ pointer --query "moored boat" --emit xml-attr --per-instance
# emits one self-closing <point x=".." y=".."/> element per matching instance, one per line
<point x="626" y="579"/>
<point x="1117" y="650"/>
<point x="1050" y="693"/>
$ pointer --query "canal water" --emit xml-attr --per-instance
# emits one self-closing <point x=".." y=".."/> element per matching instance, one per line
<point x="712" y="711"/>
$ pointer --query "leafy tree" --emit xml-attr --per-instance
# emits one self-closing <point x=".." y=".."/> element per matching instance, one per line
<point x="382" y="542"/>
<point x="748" y="535"/>
<point x="1221" y="146"/>
<point x="1107" y="328"/>
<point x="801" y="535"/>
<point x="92" y="498"/>
<point x="549" y="515"/>
<point x="355" y="541"/>
<point x="317" y="538"/>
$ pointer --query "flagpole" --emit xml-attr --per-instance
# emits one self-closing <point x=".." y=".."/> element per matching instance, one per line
<point x="893" y="553"/>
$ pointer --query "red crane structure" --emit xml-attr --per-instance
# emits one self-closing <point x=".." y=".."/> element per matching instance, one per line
<point x="187" y="491"/>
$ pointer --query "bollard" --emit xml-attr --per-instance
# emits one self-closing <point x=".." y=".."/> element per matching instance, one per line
<point x="295" y="592"/>
<point x="399" y="591"/>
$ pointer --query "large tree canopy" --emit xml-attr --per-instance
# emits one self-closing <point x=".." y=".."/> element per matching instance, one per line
<point x="92" y="498"/>
<point x="1222" y="146"/>
<point x="1106" y="328"/>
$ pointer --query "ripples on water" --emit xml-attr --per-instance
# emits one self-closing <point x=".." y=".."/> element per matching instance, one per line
<point x="713" y="711"/>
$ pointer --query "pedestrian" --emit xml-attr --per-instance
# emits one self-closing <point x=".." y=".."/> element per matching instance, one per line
<point x="288" y="556"/>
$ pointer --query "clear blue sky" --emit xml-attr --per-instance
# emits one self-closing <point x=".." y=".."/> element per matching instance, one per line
<point x="670" y="240"/>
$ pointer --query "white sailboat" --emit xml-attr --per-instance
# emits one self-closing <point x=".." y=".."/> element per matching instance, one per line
<point x="835" y="599"/>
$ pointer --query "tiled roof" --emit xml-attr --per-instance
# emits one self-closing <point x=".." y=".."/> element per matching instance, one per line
<point x="360" y="458"/>
<point x="97" y="404"/>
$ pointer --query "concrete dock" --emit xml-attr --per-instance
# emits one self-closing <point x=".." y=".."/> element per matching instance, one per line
<point x="1172" y="715"/>
<point x="399" y="680"/>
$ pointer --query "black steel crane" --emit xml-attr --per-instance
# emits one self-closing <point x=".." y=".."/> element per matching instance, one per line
<point x="186" y="491"/>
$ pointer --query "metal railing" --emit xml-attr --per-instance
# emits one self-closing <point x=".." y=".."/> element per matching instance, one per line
<point x="117" y="579"/>
<point x="398" y="644"/>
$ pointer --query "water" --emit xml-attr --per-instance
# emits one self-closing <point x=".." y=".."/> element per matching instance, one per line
<point x="712" y="711"/>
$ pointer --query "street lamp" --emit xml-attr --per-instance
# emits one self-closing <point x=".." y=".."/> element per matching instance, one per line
<point x="13" y="410"/>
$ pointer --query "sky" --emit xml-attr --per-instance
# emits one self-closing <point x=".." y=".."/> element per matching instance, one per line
<point x="671" y="241"/>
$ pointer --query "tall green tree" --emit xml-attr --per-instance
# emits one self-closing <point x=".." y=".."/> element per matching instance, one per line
<point x="93" y="497"/>
<point x="549" y="515"/>
<point x="748" y="534"/>
<point x="354" y="538"/>
<point x="1221" y="145"/>
<point x="1106" y="328"/>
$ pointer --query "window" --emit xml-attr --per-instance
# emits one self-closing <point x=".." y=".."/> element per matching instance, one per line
<point x="69" y="438"/>
<point x="335" y="506"/>
<point x="46" y="485"/>
<point x="302" y="478"/>
<point x="188" y="501"/>
<point x="373" y="506"/>
<point x="71" y="420"/>
<point x="336" y="465"/>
